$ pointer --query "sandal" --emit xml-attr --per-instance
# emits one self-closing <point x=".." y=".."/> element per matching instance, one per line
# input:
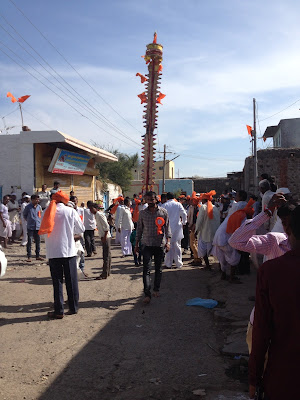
<point x="52" y="315"/>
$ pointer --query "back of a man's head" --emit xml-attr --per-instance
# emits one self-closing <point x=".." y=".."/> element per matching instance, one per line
<point x="264" y="185"/>
<point x="170" y="196"/>
<point x="242" y="195"/>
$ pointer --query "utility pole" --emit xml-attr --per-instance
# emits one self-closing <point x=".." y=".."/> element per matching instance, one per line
<point x="164" y="166"/>
<point x="254" y="149"/>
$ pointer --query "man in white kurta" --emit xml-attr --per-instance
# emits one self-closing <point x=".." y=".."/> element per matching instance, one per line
<point x="23" y="220"/>
<point x="227" y="256"/>
<point x="61" y="252"/>
<point x="117" y="218"/>
<point x="178" y="218"/>
<point x="206" y="228"/>
<point x="125" y="227"/>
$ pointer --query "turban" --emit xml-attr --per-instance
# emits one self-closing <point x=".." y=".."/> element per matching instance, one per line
<point x="237" y="217"/>
<point x="209" y="196"/>
<point x="47" y="224"/>
<point x="116" y="204"/>
<point x="135" y="215"/>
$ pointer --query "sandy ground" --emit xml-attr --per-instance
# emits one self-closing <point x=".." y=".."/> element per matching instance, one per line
<point x="115" y="347"/>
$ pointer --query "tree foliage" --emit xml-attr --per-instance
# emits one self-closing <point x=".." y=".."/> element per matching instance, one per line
<point x="118" y="172"/>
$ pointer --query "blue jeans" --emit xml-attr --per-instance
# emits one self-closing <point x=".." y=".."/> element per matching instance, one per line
<point x="33" y="234"/>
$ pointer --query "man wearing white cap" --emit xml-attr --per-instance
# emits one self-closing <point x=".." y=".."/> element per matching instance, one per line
<point x="23" y="220"/>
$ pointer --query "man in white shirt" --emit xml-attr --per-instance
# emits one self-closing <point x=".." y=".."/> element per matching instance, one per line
<point x="90" y="226"/>
<point x="80" y="212"/>
<point x="267" y="194"/>
<point x="105" y="236"/>
<point x="44" y="197"/>
<point x="207" y="223"/>
<point x="61" y="251"/>
<point x="178" y="218"/>
<point x="125" y="227"/>
<point x="117" y="217"/>
<point x="23" y="220"/>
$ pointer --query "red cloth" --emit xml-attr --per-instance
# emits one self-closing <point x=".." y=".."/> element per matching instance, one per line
<point x="277" y="326"/>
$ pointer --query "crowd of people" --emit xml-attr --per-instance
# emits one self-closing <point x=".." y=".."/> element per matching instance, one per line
<point x="234" y="228"/>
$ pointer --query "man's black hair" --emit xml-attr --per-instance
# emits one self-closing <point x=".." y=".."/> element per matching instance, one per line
<point x="150" y="193"/>
<point x="88" y="203"/>
<point x="72" y="198"/>
<point x="34" y="196"/>
<point x="243" y="195"/>
<point x="126" y="200"/>
<point x="170" y="196"/>
<point x="94" y="205"/>
<point x="287" y="209"/>
<point x="163" y="196"/>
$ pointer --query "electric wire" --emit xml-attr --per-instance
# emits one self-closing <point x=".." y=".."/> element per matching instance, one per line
<point x="91" y="87"/>
<point x="10" y="113"/>
<point x="280" y="111"/>
<point x="79" y="112"/>
<point x="102" y="118"/>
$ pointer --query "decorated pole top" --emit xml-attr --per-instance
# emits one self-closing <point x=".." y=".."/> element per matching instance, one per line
<point x="151" y="97"/>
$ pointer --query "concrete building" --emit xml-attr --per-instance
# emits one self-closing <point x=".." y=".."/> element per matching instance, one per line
<point x="286" y="134"/>
<point x="29" y="160"/>
<point x="136" y="184"/>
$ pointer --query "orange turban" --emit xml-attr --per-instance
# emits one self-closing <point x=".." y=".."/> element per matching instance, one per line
<point x="116" y="204"/>
<point x="135" y="215"/>
<point x="209" y="196"/>
<point x="47" y="224"/>
<point x="235" y="220"/>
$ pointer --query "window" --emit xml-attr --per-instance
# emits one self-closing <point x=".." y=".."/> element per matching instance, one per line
<point x="161" y="168"/>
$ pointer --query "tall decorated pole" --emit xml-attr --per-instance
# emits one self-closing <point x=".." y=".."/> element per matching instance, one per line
<point x="151" y="97"/>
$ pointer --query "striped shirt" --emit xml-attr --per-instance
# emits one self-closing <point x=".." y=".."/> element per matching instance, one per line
<point x="147" y="228"/>
<point x="272" y="245"/>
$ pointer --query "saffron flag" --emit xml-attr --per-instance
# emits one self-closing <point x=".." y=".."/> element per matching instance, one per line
<point x="249" y="129"/>
<point x="23" y="98"/>
<point x="143" y="97"/>
<point x="160" y="97"/>
<point x="13" y="99"/>
<point x="143" y="78"/>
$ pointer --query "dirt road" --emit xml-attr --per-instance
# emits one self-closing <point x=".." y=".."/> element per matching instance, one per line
<point x="115" y="347"/>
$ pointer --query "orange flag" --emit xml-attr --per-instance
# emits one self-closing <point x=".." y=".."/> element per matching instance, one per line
<point x="160" y="97"/>
<point x="143" y="97"/>
<point x="23" y="98"/>
<point x="249" y="129"/>
<point x="155" y="38"/>
<point x="13" y="99"/>
<point x="160" y="68"/>
<point x="143" y="78"/>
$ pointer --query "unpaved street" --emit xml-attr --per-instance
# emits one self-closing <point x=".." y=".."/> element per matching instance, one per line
<point x="115" y="347"/>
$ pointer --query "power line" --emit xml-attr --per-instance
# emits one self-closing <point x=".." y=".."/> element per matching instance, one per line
<point x="26" y="111"/>
<point x="10" y="113"/>
<point x="91" y="87"/>
<point x="79" y="112"/>
<point x="280" y="111"/>
<point x="102" y="118"/>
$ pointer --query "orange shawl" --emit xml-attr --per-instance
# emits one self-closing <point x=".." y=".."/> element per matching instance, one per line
<point x="237" y="217"/>
<point x="135" y="215"/>
<point x="209" y="196"/>
<point x="47" y="224"/>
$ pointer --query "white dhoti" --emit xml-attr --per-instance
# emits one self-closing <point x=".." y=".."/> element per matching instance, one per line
<point x="118" y="237"/>
<point x="6" y="232"/>
<point x="204" y="248"/>
<point x="125" y="242"/>
<point x="227" y="257"/>
<point x="24" y="228"/>
<point x="174" y="255"/>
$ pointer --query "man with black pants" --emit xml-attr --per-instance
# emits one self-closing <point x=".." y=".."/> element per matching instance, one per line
<point x="105" y="236"/>
<point x="90" y="226"/>
<point x="60" y="223"/>
<point x="32" y="215"/>
<point x="153" y="228"/>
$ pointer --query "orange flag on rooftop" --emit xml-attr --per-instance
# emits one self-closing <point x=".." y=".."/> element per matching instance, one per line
<point x="143" y="97"/>
<point x="13" y="99"/>
<point x="23" y="98"/>
<point x="249" y="129"/>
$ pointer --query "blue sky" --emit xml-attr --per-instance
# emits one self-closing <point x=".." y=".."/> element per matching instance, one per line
<point x="218" y="55"/>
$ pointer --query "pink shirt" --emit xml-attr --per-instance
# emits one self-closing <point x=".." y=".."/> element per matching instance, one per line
<point x="272" y="244"/>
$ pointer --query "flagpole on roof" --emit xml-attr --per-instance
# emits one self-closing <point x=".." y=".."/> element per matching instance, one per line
<point x="21" y="114"/>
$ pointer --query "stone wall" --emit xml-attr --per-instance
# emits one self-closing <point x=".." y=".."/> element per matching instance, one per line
<point x="233" y="181"/>
<point x="282" y="164"/>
